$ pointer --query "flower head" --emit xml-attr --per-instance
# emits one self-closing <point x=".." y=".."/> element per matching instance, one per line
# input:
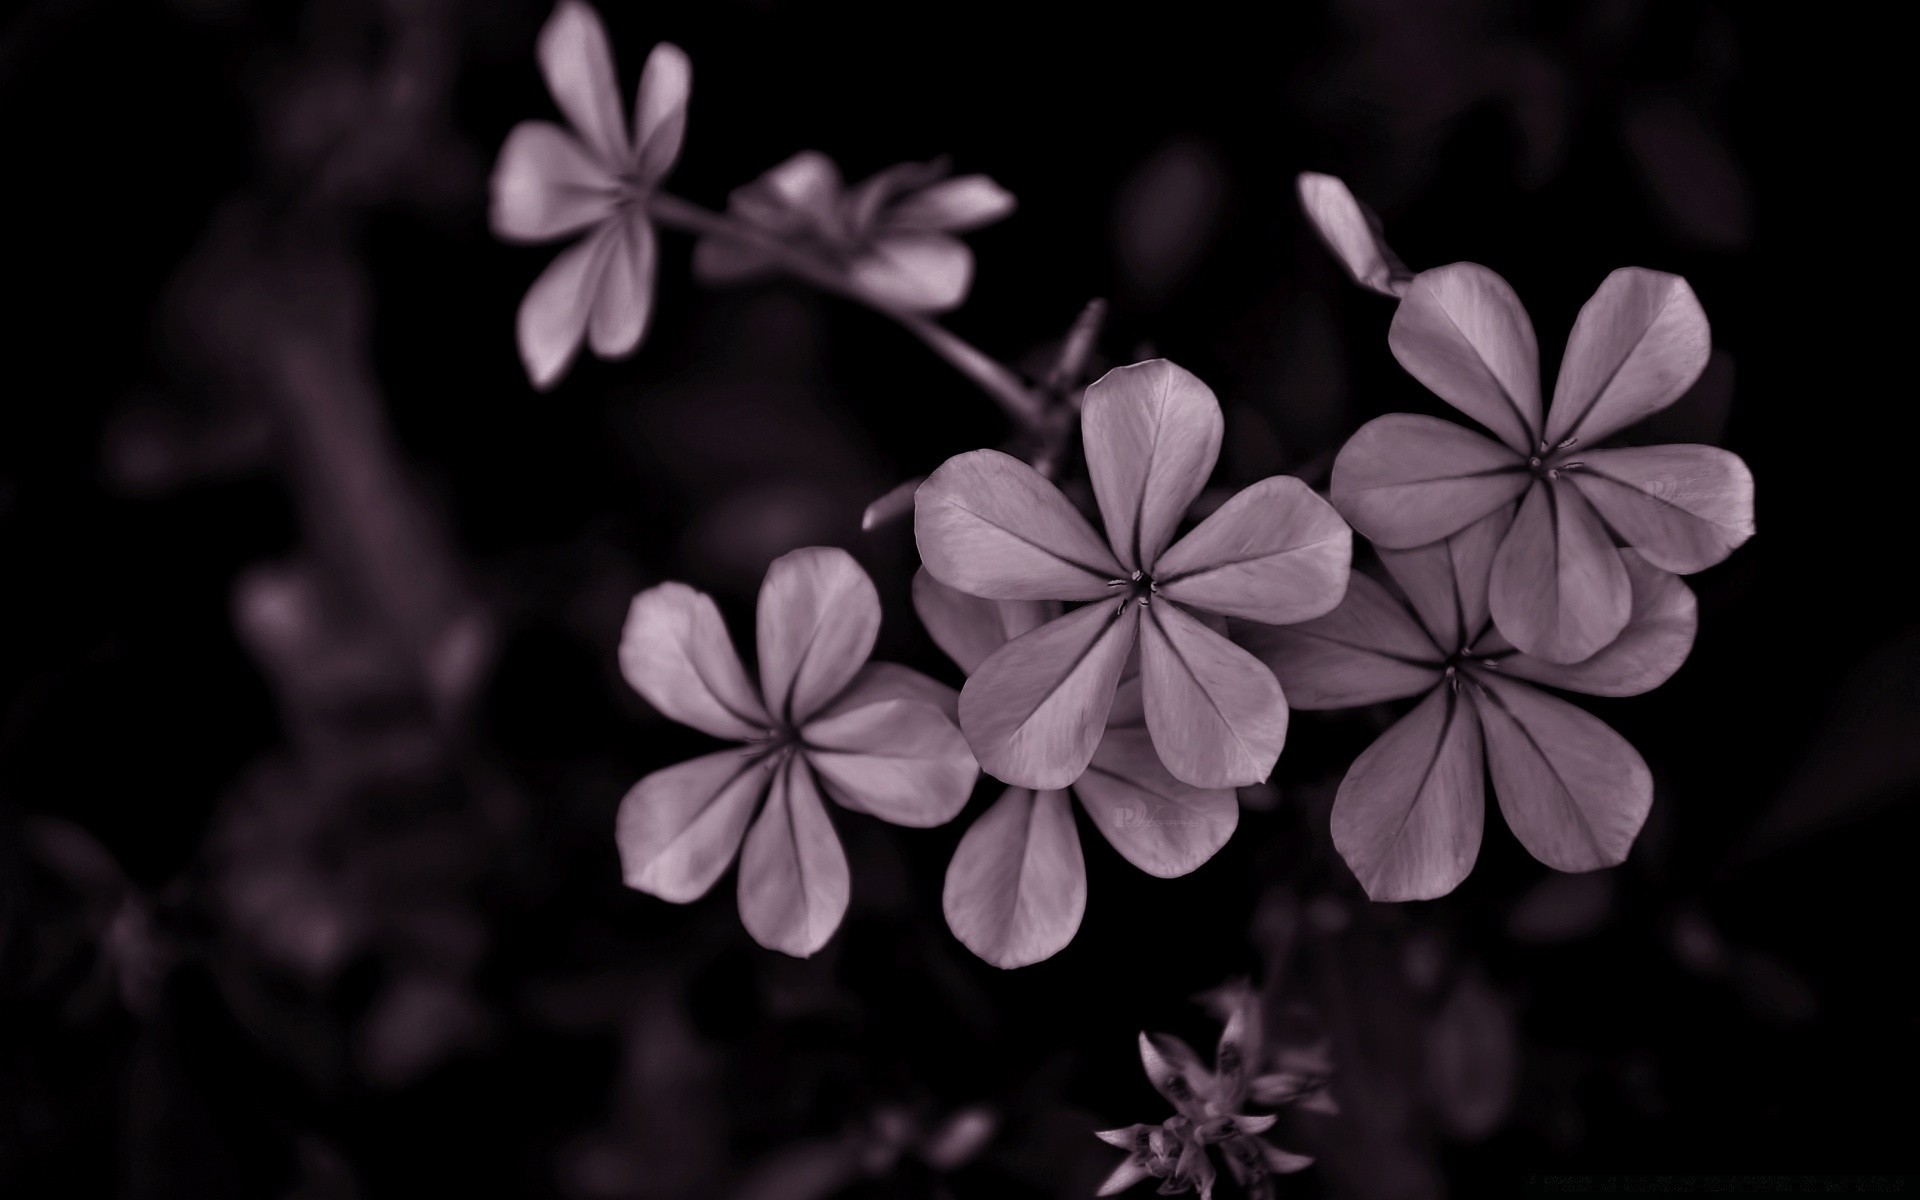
<point x="991" y="526"/>
<point x="1017" y="886"/>
<point x="552" y="183"/>
<point x="875" y="737"/>
<point x="1408" y="815"/>
<point x="893" y="235"/>
<point x="1559" y="590"/>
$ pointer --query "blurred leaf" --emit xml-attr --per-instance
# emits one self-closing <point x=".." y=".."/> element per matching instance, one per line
<point x="1693" y="178"/>
<point x="1472" y="1060"/>
<point x="1562" y="908"/>
<point x="1166" y="216"/>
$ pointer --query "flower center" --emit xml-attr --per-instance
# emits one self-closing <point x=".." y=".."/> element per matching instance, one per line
<point x="1550" y="462"/>
<point x="1138" y="586"/>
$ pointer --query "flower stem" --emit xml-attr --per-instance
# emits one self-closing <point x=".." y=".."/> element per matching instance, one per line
<point x="993" y="377"/>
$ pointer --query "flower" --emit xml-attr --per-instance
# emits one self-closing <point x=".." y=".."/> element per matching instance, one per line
<point x="892" y="235"/>
<point x="1352" y="232"/>
<point x="876" y="737"/>
<point x="1209" y="1103"/>
<point x="991" y="526"/>
<point x="1408" y="815"/>
<point x="551" y="183"/>
<point x="1017" y="885"/>
<point x="1559" y="591"/>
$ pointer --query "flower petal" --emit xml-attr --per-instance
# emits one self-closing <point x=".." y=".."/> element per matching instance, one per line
<point x="1558" y="590"/>
<point x="678" y="828"/>
<point x="1157" y="823"/>
<point x="799" y="194"/>
<point x="990" y="525"/>
<point x="1657" y="639"/>
<point x="553" y="317"/>
<point x="879" y="681"/>
<point x="1406" y="480"/>
<point x="1574" y="792"/>
<point x="578" y="65"/>
<point x="793" y="873"/>
<point x="1635" y="347"/>
<point x="1282" y="1162"/>
<point x="1176" y="1072"/>
<point x="1130" y="1171"/>
<point x="1152" y="434"/>
<point x="1461" y="331"/>
<point x="1035" y="710"/>
<point x="958" y="205"/>
<point x="660" y="112"/>
<point x="1352" y="232"/>
<point x="1408" y="816"/>
<point x="1275" y="552"/>
<point x="674" y="650"/>
<point x="1017" y="886"/>
<point x="914" y="272"/>
<point x="1447" y="580"/>
<point x="903" y="761"/>
<point x="1684" y="507"/>
<point x="818" y="617"/>
<point x="623" y="304"/>
<point x="1216" y="713"/>
<point x="969" y="628"/>
<point x="546" y="186"/>
<point x="1368" y="650"/>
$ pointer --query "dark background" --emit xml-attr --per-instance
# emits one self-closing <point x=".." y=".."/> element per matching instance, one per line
<point x="297" y="897"/>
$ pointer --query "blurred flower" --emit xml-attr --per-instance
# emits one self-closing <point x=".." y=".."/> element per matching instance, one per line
<point x="1408" y="815"/>
<point x="878" y="738"/>
<point x="892" y="235"/>
<point x="1559" y="590"/>
<point x="991" y="526"/>
<point x="1017" y="886"/>
<point x="1352" y="231"/>
<point x="551" y="183"/>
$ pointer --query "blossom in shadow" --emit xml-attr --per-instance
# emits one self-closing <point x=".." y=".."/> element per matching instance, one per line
<point x="875" y="737"/>
<point x="1209" y="1104"/>
<point x="991" y="526"/>
<point x="596" y="177"/>
<point x="1017" y="886"/>
<point x="1408" y="816"/>
<point x="891" y="236"/>
<point x="1559" y="589"/>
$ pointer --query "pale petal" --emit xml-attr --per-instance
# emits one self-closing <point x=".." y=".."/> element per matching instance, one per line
<point x="1275" y="552"/>
<point x="799" y="194"/>
<point x="818" y="617"/>
<point x="991" y="526"/>
<point x="1157" y="823"/>
<point x="1352" y="232"/>
<point x="1657" y="639"/>
<point x="1152" y="434"/>
<point x="793" y="873"/>
<point x="1017" y="886"/>
<point x="969" y="628"/>
<point x="1217" y="715"/>
<point x="1447" y="581"/>
<point x="1282" y="1162"/>
<point x="914" y="272"/>
<point x="545" y="185"/>
<point x="1461" y="331"/>
<point x="1408" y="816"/>
<point x="674" y="650"/>
<point x="578" y="66"/>
<point x="660" y="111"/>
<point x="1684" y="507"/>
<point x="1406" y="480"/>
<point x="1035" y="710"/>
<point x="1176" y="1072"/>
<point x="957" y="205"/>
<point x="879" y="681"/>
<point x="678" y="828"/>
<point x="1124" y="1176"/>
<point x="1558" y="590"/>
<point x="552" y="320"/>
<point x="624" y="302"/>
<point x="1637" y="345"/>
<point x="900" y="760"/>
<point x="1368" y="650"/>
<point x="1573" y="790"/>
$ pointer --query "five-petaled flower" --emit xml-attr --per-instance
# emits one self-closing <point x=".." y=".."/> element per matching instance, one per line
<point x="991" y="526"/>
<point x="1017" y="886"/>
<point x="1408" y="815"/>
<point x="551" y="183"/>
<point x="876" y="737"/>
<point x="892" y="236"/>
<point x="1560" y="590"/>
<point x="1208" y="1106"/>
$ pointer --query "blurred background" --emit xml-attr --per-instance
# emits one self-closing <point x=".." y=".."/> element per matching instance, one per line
<point x="311" y="733"/>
